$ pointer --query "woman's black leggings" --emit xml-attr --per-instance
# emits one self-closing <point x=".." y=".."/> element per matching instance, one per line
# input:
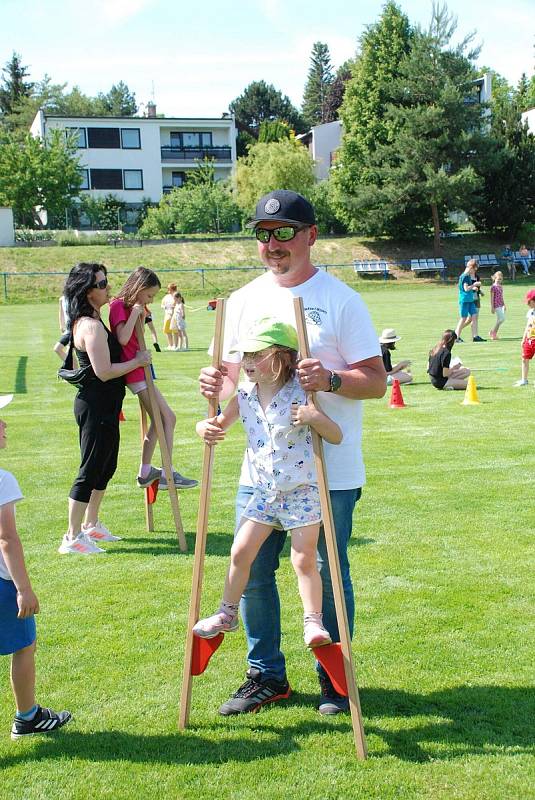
<point x="98" y="421"/>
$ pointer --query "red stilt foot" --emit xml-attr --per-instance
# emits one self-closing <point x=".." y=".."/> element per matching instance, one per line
<point x="122" y="417"/>
<point x="331" y="659"/>
<point x="152" y="491"/>
<point x="203" y="650"/>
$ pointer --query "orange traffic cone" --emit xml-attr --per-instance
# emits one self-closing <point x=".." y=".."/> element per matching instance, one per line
<point x="470" y="395"/>
<point x="122" y="417"/>
<point x="396" y="398"/>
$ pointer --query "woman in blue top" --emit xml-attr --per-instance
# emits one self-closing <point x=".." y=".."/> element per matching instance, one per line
<point x="467" y="301"/>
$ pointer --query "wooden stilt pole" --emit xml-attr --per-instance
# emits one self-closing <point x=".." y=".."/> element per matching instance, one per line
<point x="166" y="455"/>
<point x="149" y="512"/>
<point x="332" y="553"/>
<point x="202" y="529"/>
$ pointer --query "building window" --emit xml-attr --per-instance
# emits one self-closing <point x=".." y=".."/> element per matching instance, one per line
<point x="106" y="179"/>
<point x="133" y="178"/>
<point x="85" y="178"/>
<point x="130" y="139"/>
<point x="80" y="137"/>
<point x="193" y="139"/>
<point x="177" y="179"/>
<point x="103" y="138"/>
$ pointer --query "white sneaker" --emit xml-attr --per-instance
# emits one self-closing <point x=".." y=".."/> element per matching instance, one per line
<point x="81" y="545"/>
<point x="99" y="532"/>
<point x="521" y="382"/>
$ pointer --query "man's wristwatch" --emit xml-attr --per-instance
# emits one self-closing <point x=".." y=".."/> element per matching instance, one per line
<point x="335" y="381"/>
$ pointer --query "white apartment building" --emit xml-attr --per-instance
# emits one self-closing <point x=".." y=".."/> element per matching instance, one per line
<point x="136" y="158"/>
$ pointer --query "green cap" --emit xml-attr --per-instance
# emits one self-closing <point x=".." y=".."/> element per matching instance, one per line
<point x="266" y="333"/>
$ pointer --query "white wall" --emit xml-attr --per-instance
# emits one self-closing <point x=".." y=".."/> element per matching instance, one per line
<point x="7" y="230"/>
<point x="529" y="117"/>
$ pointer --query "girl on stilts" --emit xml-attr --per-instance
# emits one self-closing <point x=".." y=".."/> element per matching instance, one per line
<point x="277" y="415"/>
<point x="139" y="290"/>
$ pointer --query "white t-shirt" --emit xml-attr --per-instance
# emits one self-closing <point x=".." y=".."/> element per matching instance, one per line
<point x="9" y="493"/>
<point x="530" y="316"/>
<point x="340" y="332"/>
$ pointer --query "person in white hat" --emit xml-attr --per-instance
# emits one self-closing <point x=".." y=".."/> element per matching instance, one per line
<point x="400" y="371"/>
<point x="18" y="605"/>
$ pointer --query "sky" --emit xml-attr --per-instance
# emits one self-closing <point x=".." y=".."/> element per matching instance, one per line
<point x="194" y="58"/>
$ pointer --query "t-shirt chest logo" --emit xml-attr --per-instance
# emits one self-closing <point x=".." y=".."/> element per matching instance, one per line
<point x="313" y="316"/>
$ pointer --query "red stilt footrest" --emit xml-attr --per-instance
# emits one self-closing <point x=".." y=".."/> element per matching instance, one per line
<point x="331" y="659"/>
<point x="203" y="650"/>
<point x="152" y="491"/>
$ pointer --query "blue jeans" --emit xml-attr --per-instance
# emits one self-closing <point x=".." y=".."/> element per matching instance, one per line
<point x="260" y="604"/>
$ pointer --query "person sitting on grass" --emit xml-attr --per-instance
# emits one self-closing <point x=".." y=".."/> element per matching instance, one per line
<point x="277" y="415"/>
<point x="401" y="371"/>
<point x="528" y="339"/>
<point x="18" y="605"/>
<point x="444" y="372"/>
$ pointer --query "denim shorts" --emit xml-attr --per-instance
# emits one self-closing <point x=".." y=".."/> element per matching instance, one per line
<point x="468" y="309"/>
<point x="15" y="634"/>
<point x="291" y="509"/>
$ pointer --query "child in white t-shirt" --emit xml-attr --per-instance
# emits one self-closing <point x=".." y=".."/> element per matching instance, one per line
<point x="528" y="339"/>
<point x="276" y="415"/>
<point x="18" y="604"/>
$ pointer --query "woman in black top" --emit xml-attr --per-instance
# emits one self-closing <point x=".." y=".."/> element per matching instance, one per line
<point x="96" y="406"/>
<point x="444" y="376"/>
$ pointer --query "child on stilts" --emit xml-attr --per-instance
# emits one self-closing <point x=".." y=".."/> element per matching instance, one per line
<point x="139" y="290"/>
<point x="277" y="414"/>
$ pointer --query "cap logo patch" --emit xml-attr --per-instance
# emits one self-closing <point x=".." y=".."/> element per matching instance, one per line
<point x="272" y="206"/>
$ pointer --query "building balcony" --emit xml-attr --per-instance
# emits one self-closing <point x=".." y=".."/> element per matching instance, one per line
<point x="219" y="153"/>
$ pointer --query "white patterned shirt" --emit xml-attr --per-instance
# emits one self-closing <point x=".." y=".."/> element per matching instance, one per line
<point x="280" y="455"/>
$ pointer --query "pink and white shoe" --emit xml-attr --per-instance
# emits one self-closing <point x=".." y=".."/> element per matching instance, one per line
<point x="492" y="336"/>
<point x="99" y="533"/>
<point x="316" y="635"/>
<point x="220" y="622"/>
<point x="81" y="545"/>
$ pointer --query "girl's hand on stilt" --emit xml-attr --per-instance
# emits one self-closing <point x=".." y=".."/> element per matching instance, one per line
<point x="211" y="381"/>
<point x="28" y="603"/>
<point x="138" y="309"/>
<point x="143" y="357"/>
<point x="302" y="415"/>
<point x="210" y="431"/>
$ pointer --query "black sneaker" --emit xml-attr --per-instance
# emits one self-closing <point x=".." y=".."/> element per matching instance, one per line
<point x="477" y="339"/>
<point x="255" y="693"/>
<point x="45" y="721"/>
<point x="330" y="701"/>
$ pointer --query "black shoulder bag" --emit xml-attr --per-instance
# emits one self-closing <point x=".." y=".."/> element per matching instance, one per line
<point x="80" y="377"/>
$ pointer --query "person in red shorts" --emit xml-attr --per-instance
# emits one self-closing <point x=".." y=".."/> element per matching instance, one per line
<point x="528" y="339"/>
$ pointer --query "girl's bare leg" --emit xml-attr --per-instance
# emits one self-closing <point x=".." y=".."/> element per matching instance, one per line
<point x="304" y="562"/>
<point x="168" y="421"/>
<point x="249" y="539"/>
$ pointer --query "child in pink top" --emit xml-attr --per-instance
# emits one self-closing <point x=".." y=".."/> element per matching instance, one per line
<point x="139" y="290"/>
<point x="497" y="306"/>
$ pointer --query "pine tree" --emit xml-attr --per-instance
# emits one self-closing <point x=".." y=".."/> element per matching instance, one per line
<point x="319" y="81"/>
<point x="367" y="93"/>
<point x="335" y="94"/>
<point x="15" y="88"/>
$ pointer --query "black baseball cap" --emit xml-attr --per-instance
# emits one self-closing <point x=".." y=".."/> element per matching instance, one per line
<point x="283" y="206"/>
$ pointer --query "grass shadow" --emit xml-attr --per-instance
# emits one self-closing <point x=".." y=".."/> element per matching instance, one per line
<point x="20" y="378"/>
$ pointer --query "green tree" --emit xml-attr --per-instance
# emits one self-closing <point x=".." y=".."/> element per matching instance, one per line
<point x="274" y="131"/>
<point x="118" y="102"/>
<point x="274" y="165"/>
<point x="507" y="199"/>
<point x="14" y="87"/>
<point x="261" y="102"/>
<point x="363" y="111"/>
<point x="35" y="175"/>
<point x="202" y="205"/>
<point x="319" y="82"/>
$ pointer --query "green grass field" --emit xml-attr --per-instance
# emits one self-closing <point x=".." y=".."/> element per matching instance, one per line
<point x="442" y="558"/>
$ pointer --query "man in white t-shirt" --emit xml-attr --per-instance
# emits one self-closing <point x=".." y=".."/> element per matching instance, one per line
<point x="345" y="368"/>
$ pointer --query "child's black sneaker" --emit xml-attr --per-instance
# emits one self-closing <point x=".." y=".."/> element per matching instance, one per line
<point x="255" y="693"/>
<point x="330" y="701"/>
<point x="45" y="721"/>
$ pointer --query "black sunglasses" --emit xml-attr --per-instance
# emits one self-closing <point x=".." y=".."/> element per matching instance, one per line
<point x="100" y="284"/>
<point x="283" y="234"/>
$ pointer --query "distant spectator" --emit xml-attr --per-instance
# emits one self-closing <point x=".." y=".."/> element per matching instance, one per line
<point x="168" y="304"/>
<point x="443" y="372"/>
<point x="509" y="258"/>
<point x="468" y="285"/>
<point x="497" y="305"/>
<point x="525" y="256"/>
<point x="528" y="339"/>
<point x="401" y="370"/>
